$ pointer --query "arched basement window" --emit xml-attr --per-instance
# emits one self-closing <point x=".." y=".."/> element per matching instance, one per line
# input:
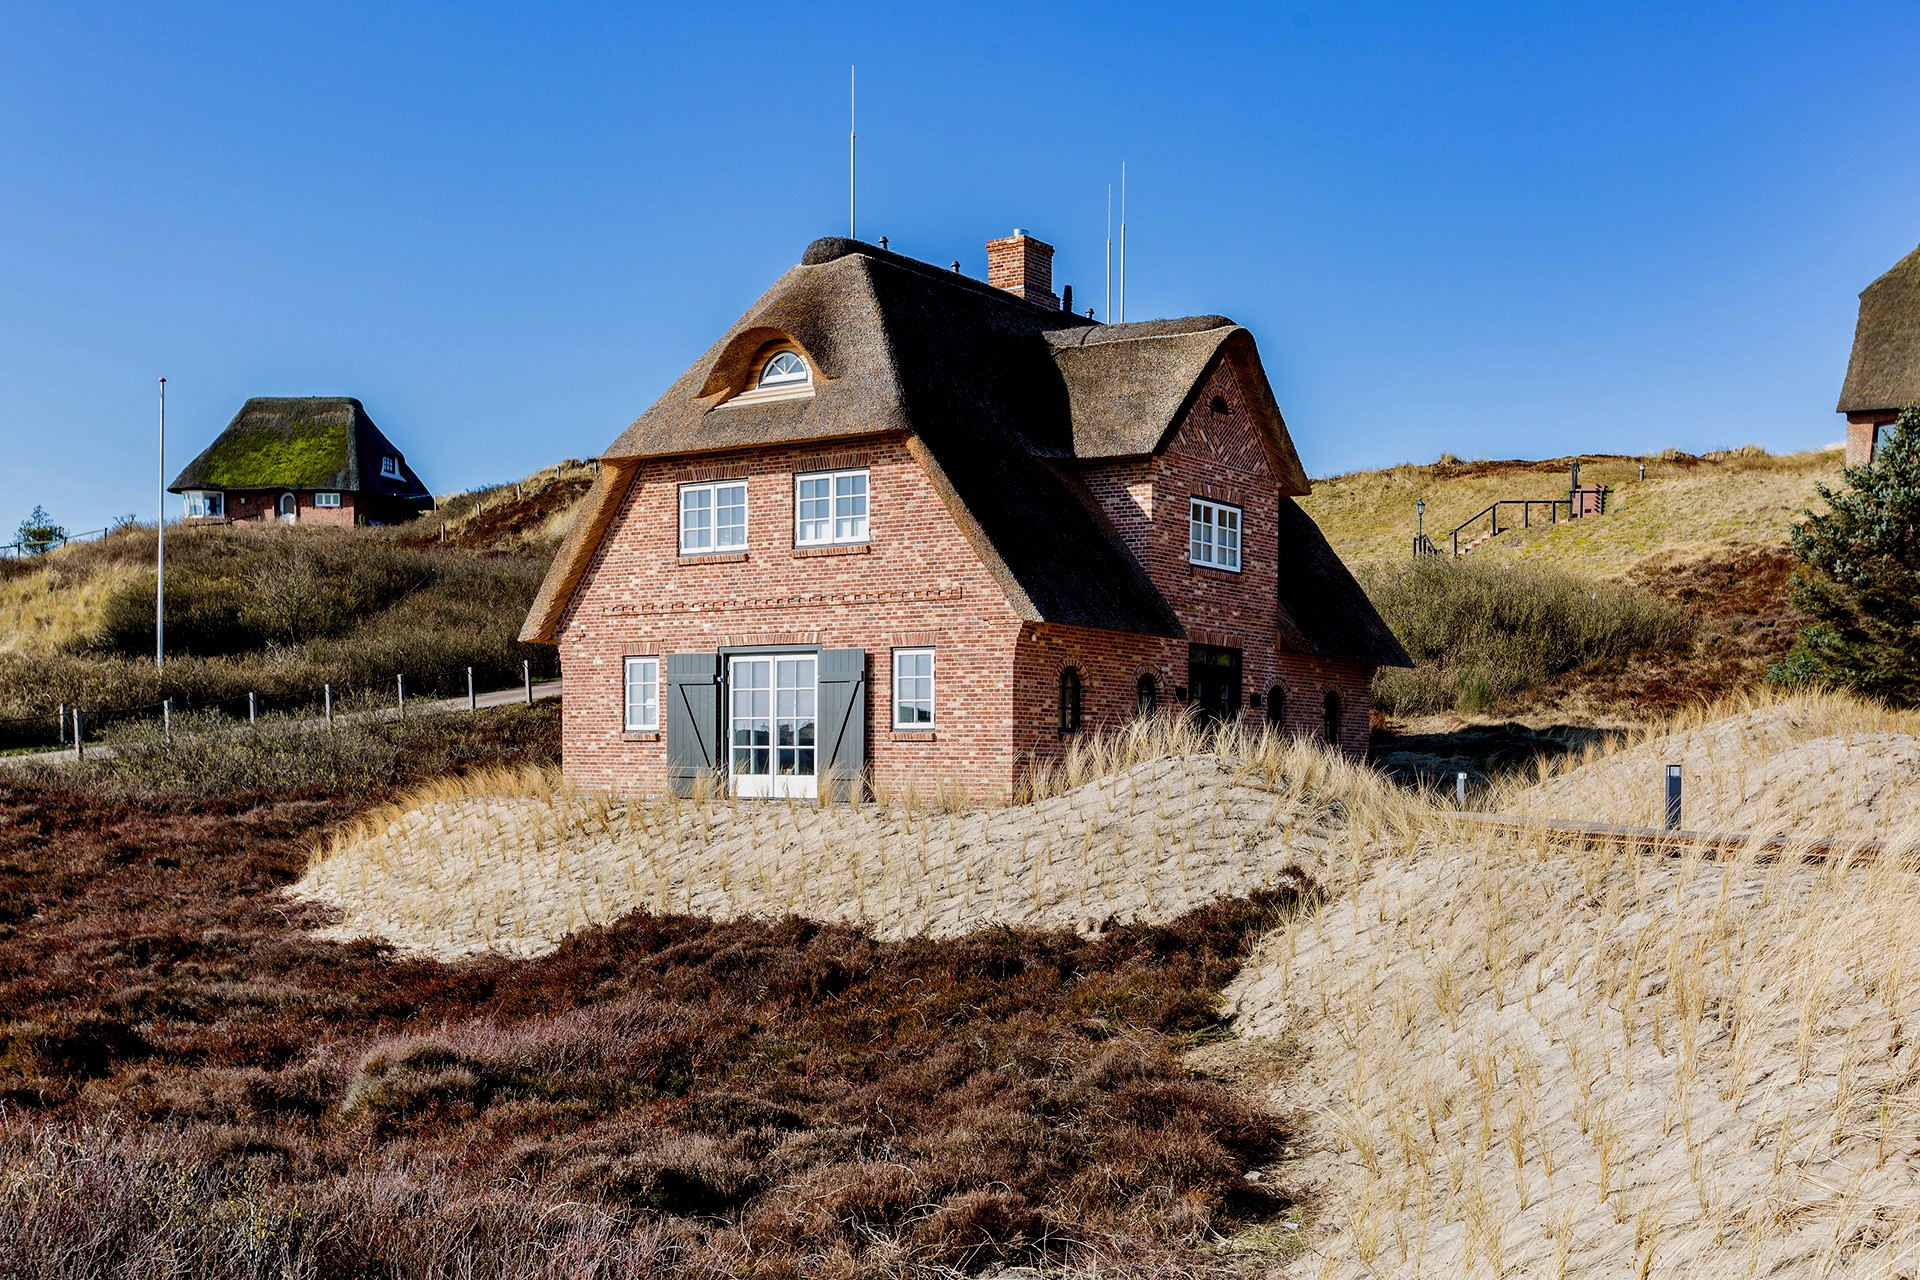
<point x="1332" y="710"/>
<point x="1276" y="708"/>
<point x="1146" y="696"/>
<point x="1069" y="700"/>
<point x="785" y="370"/>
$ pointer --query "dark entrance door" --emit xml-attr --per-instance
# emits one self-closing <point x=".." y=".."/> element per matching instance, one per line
<point x="1214" y="674"/>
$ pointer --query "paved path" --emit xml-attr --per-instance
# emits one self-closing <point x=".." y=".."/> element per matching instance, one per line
<point x="542" y="691"/>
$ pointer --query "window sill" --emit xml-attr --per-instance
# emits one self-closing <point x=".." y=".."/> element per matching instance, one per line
<point x="1213" y="568"/>
<point x="913" y="735"/>
<point x="640" y="735"/>
<point x="714" y="557"/>
<point x="833" y="549"/>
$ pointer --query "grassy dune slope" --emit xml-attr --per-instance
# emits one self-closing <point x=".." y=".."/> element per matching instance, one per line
<point x="1685" y="504"/>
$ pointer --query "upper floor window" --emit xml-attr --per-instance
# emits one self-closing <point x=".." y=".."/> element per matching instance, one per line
<point x="913" y="688"/>
<point x="202" y="506"/>
<point x="713" y="517"/>
<point x="390" y="467"/>
<point x="785" y="370"/>
<point x="1213" y="534"/>
<point x="830" y="507"/>
<point x="326" y="499"/>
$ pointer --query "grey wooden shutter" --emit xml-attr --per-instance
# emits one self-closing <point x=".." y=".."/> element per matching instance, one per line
<point x="693" y="719"/>
<point x="843" y="721"/>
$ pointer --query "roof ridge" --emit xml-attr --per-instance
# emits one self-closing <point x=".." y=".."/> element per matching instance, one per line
<point x="830" y="249"/>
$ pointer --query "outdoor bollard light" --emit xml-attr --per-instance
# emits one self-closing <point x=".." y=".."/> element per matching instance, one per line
<point x="1420" y="516"/>
<point x="526" y="674"/>
<point x="1460" y="789"/>
<point x="63" y="724"/>
<point x="79" y="746"/>
<point x="1673" y="797"/>
<point x="253" y="709"/>
<point x="166" y="720"/>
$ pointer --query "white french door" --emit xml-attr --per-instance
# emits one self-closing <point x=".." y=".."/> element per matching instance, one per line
<point x="771" y="716"/>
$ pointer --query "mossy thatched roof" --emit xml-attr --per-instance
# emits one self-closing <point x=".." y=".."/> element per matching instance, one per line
<point x="302" y="442"/>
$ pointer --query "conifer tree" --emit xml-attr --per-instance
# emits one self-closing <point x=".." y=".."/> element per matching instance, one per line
<point x="1857" y="577"/>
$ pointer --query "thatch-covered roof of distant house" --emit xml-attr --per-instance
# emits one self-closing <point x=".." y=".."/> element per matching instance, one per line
<point x="1884" y="370"/>
<point x="302" y="442"/>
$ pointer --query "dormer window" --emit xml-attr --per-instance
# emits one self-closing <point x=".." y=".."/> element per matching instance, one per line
<point x="390" y="467"/>
<point x="785" y="370"/>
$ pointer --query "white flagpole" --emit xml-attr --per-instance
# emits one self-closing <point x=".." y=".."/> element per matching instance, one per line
<point x="160" y="531"/>
<point x="1123" y="241"/>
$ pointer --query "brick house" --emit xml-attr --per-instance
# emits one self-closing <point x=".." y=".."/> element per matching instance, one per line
<point x="904" y="523"/>
<point x="1883" y="372"/>
<point x="301" y="459"/>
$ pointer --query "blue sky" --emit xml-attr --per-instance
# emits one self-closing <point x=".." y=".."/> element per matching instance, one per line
<point x="1492" y="229"/>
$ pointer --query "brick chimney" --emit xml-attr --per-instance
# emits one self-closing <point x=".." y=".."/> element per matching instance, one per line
<point x="1023" y="267"/>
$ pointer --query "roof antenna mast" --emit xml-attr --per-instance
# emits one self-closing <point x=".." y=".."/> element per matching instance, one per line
<point x="1106" y="312"/>
<point x="1123" y="242"/>
<point x="852" y="223"/>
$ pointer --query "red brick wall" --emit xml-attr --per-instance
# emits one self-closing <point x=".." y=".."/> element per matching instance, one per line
<point x="1862" y="433"/>
<point x="1219" y="455"/>
<point x="265" y="505"/>
<point x="917" y="582"/>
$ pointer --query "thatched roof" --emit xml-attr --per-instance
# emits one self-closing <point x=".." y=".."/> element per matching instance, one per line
<point x="302" y="442"/>
<point x="1323" y="611"/>
<point x="1884" y="370"/>
<point x="1001" y="399"/>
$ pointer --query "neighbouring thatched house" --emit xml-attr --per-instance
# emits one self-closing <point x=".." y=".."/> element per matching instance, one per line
<point x="302" y="458"/>
<point x="1883" y="373"/>
<point x="899" y="523"/>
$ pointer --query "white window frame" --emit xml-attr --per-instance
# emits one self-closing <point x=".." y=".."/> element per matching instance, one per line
<point x="641" y="674"/>
<point x="834" y="537"/>
<point x="932" y="680"/>
<point x="795" y="377"/>
<point x="327" y="498"/>
<point x="712" y="545"/>
<point x="211" y="504"/>
<point x="390" y="468"/>
<point x="1225" y="525"/>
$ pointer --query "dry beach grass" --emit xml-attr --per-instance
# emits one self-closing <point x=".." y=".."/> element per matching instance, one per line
<point x="1533" y="1061"/>
<point x="1141" y="826"/>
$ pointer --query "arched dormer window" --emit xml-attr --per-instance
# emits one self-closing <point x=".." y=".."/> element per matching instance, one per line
<point x="785" y="370"/>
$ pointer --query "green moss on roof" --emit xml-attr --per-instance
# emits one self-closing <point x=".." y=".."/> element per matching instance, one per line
<point x="310" y="455"/>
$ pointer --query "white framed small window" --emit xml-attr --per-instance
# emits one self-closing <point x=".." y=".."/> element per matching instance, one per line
<point x="326" y="500"/>
<point x="713" y="517"/>
<point x="643" y="695"/>
<point x="390" y="467"/>
<point x="1213" y="534"/>
<point x="785" y="370"/>
<point x="205" y="506"/>
<point x="913" y="688"/>
<point x="829" y="507"/>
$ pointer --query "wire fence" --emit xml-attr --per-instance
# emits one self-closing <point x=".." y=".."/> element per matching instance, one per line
<point x="64" y="724"/>
<point x="16" y="550"/>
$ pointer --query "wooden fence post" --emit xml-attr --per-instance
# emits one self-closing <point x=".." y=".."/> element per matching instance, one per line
<point x="63" y="724"/>
<point x="473" y="703"/>
<point x="79" y="744"/>
<point x="526" y="674"/>
<point x="400" y="682"/>
<point x="329" y="697"/>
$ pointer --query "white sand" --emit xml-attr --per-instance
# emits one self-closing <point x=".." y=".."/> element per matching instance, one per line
<point x="517" y="873"/>
<point x="1776" y="771"/>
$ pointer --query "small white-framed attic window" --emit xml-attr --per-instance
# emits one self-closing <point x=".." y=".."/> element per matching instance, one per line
<point x="785" y="370"/>
<point x="390" y="467"/>
<point x="782" y="374"/>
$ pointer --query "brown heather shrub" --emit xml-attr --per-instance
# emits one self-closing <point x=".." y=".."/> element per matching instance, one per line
<point x="190" y="1072"/>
